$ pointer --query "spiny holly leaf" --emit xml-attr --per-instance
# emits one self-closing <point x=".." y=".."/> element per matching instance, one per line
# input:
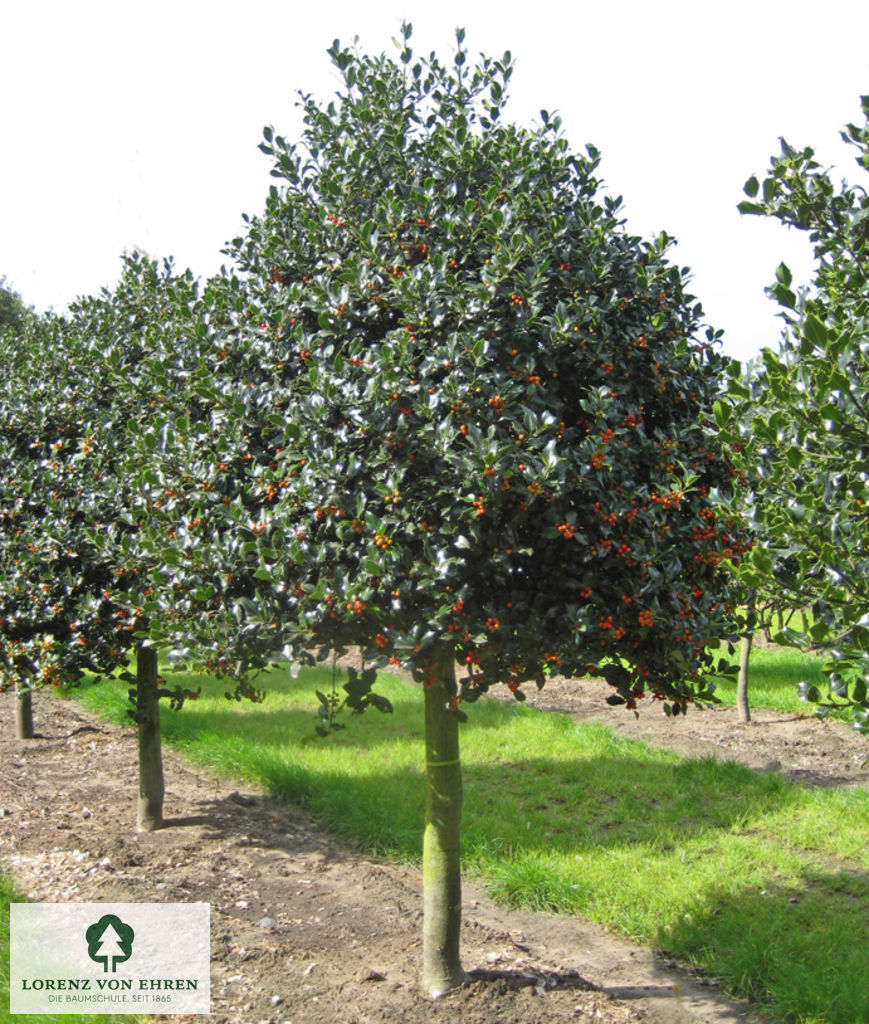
<point x="805" y="431"/>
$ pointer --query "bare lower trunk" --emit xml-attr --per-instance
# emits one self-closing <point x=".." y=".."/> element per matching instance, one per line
<point x="742" y="679"/>
<point x="149" y="811"/>
<point x="23" y="711"/>
<point x="441" y="866"/>
<point x="751" y="622"/>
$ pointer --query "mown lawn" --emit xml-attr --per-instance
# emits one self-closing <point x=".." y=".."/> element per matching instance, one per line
<point x="761" y="882"/>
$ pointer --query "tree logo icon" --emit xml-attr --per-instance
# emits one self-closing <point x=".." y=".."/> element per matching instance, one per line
<point x="110" y="942"/>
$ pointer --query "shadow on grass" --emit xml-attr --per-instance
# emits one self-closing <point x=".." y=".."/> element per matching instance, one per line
<point x="606" y="799"/>
<point x="792" y="946"/>
<point x="795" y="945"/>
<point x="782" y="945"/>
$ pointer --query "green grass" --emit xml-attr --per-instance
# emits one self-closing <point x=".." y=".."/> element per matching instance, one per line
<point x="773" y="677"/>
<point x="9" y="893"/>
<point x="761" y="882"/>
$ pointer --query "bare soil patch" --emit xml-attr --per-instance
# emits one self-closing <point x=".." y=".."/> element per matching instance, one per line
<point x="804" y="748"/>
<point x="304" y="929"/>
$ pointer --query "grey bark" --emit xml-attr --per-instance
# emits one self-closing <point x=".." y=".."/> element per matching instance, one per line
<point x="23" y="711"/>
<point x="149" y="810"/>
<point x="441" y="865"/>
<point x="742" y="679"/>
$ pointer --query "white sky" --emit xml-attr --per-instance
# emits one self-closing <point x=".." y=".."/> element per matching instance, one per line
<point x="136" y="125"/>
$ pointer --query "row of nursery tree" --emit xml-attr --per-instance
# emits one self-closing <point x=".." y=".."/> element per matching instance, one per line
<point x="444" y="407"/>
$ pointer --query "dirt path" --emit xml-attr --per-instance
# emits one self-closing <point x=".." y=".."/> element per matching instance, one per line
<point x="805" y="748"/>
<point x="303" y="929"/>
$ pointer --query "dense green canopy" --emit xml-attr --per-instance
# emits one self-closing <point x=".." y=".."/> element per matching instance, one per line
<point x="446" y="397"/>
<point x="805" y="416"/>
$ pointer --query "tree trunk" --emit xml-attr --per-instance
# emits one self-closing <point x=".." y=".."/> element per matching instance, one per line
<point x="742" y="679"/>
<point x="23" y="711"/>
<point x="441" y="865"/>
<point x="751" y="622"/>
<point x="149" y="811"/>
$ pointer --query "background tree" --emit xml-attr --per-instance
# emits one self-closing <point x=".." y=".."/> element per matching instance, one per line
<point x="809" y="439"/>
<point x="56" y="618"/>
<point x="456" y="414"/>
<point x="68" y="559"/>
<point x="768" y="605"/>
<point x="13" y="312"/>
<point x="180" y="470"/>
